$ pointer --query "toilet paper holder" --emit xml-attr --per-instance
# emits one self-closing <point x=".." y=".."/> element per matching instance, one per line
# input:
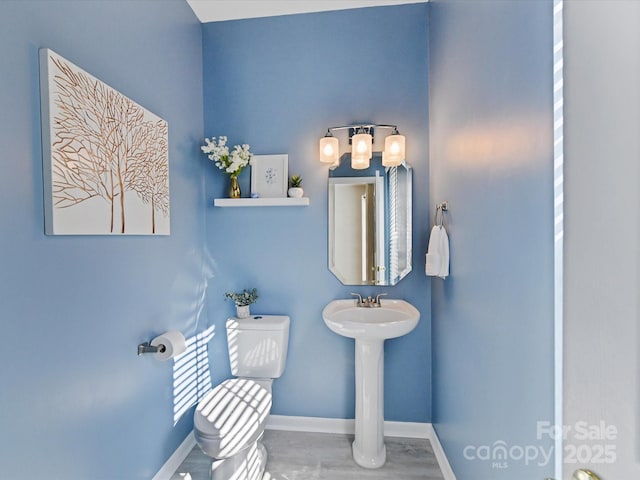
<point x="165" y="346"/>
<point x="146" y="347"/>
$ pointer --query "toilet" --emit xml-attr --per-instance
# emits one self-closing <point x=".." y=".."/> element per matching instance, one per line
<point x="230" y="420"/>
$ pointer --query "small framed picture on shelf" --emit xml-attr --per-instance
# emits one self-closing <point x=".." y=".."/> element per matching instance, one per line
<point x="269" y="175"/>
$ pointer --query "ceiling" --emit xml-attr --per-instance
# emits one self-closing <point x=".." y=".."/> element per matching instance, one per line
<point x="217" y="10"/>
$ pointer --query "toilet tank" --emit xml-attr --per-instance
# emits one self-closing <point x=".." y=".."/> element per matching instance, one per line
<point x="258" y="345"/>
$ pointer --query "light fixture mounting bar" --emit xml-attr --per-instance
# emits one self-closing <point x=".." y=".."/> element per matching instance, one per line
<point x="361" y="127"/>
<point x="357" y="126"/>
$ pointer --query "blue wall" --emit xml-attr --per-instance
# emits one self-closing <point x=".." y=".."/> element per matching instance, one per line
<point x="76" y="401"/>
<point x="492" y="160"/>
<point x="278" y="83"/>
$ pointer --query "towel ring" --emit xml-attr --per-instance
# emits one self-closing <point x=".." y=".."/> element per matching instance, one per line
<point x="441" y="208"/>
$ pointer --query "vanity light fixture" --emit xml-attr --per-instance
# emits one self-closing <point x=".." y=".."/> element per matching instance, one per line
<point x="361" y="139"/>
<point x="329" y="149"/>
<point x="361" y="149"/>
<point x="394" y="150"/>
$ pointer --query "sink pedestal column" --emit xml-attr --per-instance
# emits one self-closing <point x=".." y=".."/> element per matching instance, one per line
<point x="368" y="447"/>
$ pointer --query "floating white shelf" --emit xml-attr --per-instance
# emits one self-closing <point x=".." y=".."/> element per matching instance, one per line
<point x="261" y="202"/>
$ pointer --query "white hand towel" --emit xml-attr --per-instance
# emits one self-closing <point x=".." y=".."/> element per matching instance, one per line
<point x="444" y="253"/>
<point x="437" y="260"/>
<point x="433" y="260"/>
<point x="432" y="265"/>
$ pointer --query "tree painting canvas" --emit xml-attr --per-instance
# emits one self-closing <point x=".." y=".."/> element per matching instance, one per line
<point x="105" y="158"/>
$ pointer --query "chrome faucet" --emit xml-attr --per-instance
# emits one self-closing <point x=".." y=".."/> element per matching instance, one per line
<point x="368" y="302"/>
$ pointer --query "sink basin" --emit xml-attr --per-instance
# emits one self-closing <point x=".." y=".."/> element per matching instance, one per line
<point x="370" y="327"/>
<point x="393" y="319"/>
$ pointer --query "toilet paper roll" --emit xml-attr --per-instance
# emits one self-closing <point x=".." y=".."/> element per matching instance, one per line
<point x="173" y="342"/>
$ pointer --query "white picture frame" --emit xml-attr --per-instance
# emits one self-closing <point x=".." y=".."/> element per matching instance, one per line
<point x="269" y="175"/>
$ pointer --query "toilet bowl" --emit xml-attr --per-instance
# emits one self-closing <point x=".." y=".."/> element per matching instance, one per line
<point x="230" y="420"/>
<point x="228" y="423"/>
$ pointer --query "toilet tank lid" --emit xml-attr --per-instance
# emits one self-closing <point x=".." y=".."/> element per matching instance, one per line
<point x="259" y="322"/>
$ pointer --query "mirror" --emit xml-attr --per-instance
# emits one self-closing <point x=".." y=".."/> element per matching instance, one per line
<point x="370" y="223"/>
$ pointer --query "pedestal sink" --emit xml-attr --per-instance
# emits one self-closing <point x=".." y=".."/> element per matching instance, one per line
<point x="370" y="327"/>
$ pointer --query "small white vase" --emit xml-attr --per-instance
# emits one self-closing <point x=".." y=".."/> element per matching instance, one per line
<point x="242" y="311"/>
<point x="295" y="192"/>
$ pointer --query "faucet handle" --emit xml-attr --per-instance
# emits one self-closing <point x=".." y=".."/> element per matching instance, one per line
<point x="378" y="297"/>
<point x="360" y="302"/>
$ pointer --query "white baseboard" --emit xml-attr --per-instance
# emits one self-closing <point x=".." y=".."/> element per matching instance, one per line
<point x="407" y="429"/>
<point x="310" y="424"/>
<point x="438" y="451"/>
<point x="344" y="426"/>
<point x="324" y="425"/>
<point x="171" y="465"/>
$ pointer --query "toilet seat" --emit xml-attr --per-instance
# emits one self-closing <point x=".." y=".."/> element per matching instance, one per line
<point x="231" y="417"/>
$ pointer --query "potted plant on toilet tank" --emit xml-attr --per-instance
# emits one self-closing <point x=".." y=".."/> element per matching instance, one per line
<point x="242" y="300"/>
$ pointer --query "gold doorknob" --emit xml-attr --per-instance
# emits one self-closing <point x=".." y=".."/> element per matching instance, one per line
<point x="584" y="474"/>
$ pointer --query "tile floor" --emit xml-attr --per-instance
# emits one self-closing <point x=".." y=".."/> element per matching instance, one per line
<point x="327" y="456"/>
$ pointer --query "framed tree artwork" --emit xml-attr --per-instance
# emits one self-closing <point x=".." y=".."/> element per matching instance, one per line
<point x="105" y="158"/>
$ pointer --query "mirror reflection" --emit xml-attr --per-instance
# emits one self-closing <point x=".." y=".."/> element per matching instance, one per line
<point x="370" y="223"/>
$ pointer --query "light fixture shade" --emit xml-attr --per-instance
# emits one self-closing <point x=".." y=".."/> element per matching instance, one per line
<point x="394" y="150"/>
<point x="359" y="163"/>
<point x="361" y="150"/>
<point x="329" y="150"/>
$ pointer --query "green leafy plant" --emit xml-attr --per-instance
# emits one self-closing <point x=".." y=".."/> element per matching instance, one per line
<point x="243" y="298"/>
<point x="296" y="181"/>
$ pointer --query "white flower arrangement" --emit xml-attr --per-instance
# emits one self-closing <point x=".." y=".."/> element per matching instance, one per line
<point x="232" y="163"/>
